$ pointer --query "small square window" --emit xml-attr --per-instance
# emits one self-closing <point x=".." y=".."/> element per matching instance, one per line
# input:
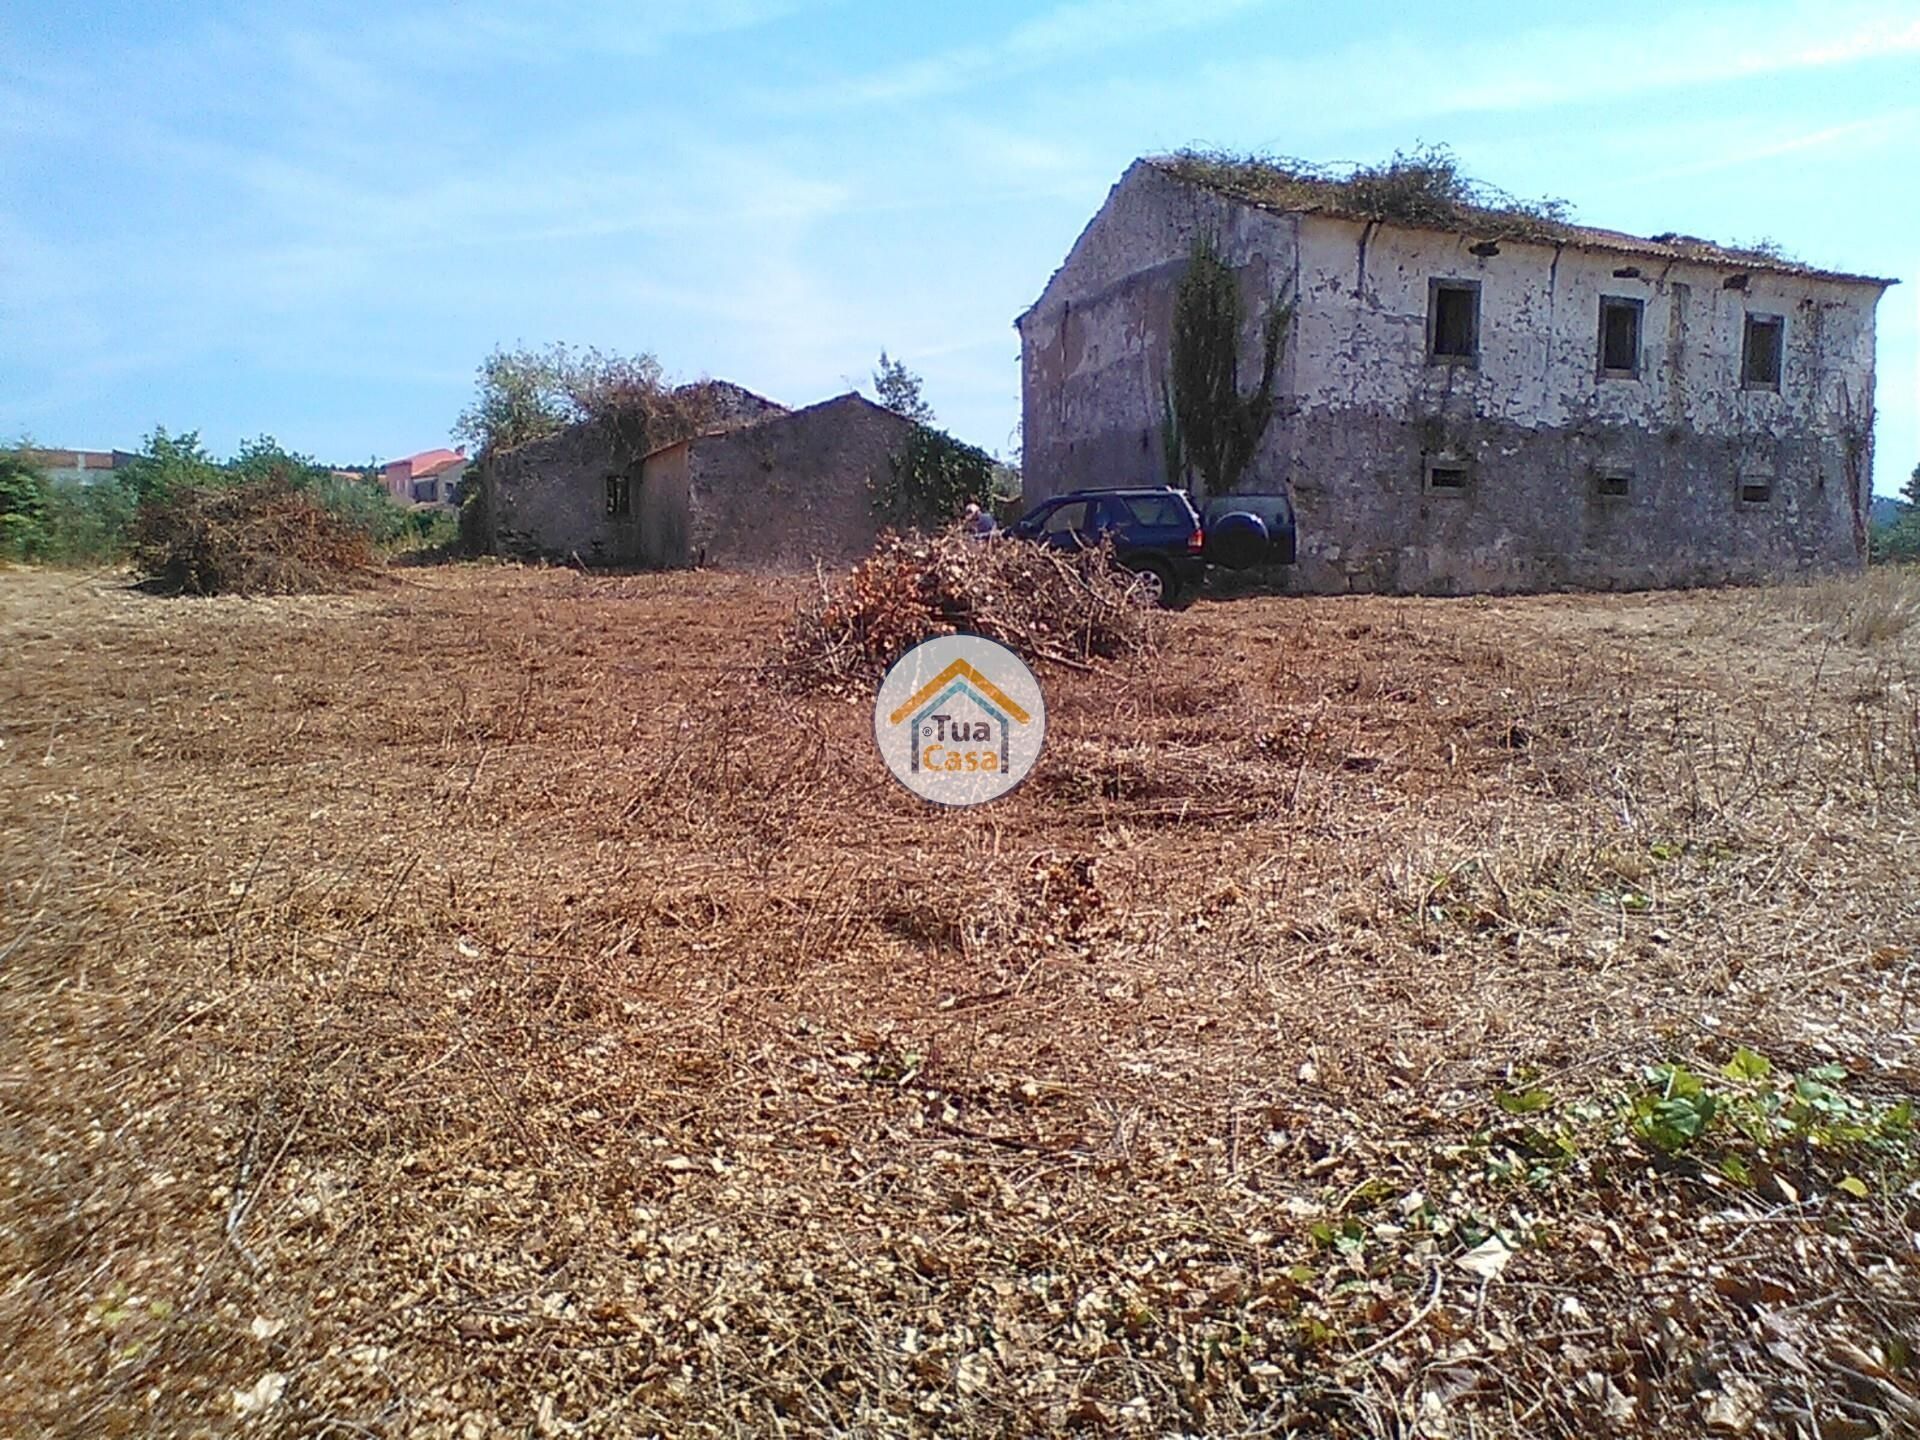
<point x="1756" y="490"/>
<point x="1613" y="484"/>
<point x="1447" y="476"/>
<point x="1620" y="337"/>
<point x="1760" y="353"/>
<point x="619" y="495"/>
<point x="1453" y="321"/>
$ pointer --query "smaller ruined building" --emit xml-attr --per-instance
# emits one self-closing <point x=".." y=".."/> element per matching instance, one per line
<point x="1475" y="398"/>
<point x="760" y="487"/>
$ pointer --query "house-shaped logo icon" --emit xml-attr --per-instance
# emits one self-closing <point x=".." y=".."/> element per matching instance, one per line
<point x="959" y="720"/>
<point x="960" y="706"/>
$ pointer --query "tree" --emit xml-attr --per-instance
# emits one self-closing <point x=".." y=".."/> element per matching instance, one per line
<point x="898" y="389"/>
<point x="520" y="395"/>
<point x="265" y="458"/>
<point x="523" y="395"/>
<point x="1209" y="430"/>
<point x="24" y="497"/>
<point x="169" y="462"/>
<point x="1910" y="492"/>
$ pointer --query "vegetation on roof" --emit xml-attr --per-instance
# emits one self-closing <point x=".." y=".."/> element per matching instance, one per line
<point x="1423" y="187"/>
<point x="524" y="394"/>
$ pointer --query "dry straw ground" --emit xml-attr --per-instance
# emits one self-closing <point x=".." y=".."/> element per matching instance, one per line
<point x="472" y="1007"/>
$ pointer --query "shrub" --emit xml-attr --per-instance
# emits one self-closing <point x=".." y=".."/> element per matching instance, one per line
<point x="262" y="537"/>
<point x="1209" y="430"/>
<point x="1896" y="541"/>
<point x="523" y="395"/>
<point x="88" y="524"/>
<point x="23" y="508"/>
<point x="93" y="524"/>
<point x="932" y="479"/>
<point x="1423" y="186"/>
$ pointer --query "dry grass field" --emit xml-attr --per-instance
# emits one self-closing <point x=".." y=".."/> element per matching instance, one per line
<point x="476" y="1006"/>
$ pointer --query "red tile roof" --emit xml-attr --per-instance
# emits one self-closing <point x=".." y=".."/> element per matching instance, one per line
<point x="427" y="462"/>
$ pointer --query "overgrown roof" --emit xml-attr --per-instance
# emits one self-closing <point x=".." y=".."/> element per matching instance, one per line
<point x="1425" y="190"/>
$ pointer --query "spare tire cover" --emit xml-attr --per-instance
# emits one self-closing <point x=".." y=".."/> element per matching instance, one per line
<point x="1237" y="540"/>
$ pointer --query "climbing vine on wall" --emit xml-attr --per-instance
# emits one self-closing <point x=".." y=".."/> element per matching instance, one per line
<point x="1209" y="430"/>
<point x="932" y="479"/>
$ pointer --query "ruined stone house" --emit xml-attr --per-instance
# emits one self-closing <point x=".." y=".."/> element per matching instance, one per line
<point x="1496" y="402"/>
<point x="765" y="488"/>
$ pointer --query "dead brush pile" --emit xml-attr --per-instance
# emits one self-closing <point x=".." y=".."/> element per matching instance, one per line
<point x="254" y="539"/>
<point x="1047" y="607"/>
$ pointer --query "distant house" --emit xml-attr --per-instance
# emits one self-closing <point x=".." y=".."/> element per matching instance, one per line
<point x="773" y="488"/>
<point x="430" y="478"/>
<point x="1477" y="401"/>
<point x="82" y="467"/>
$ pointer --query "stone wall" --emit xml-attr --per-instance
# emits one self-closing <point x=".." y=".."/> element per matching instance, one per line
<point x="791" y="491"/>
<point x="1547" y="442"/>
<point x="779" y="494"/>
<point x="548" y="499"/>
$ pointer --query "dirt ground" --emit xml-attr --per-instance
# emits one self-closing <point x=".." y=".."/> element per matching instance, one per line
<point x="478" y="1006"/>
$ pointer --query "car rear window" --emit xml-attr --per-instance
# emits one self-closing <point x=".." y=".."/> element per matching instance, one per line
<point x="1162" y="510"/>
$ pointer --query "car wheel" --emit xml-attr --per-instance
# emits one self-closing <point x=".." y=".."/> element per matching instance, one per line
<point x="1151" y="585"/>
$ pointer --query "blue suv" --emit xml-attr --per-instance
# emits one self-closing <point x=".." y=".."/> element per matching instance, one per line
<point x="1159" y="535"/>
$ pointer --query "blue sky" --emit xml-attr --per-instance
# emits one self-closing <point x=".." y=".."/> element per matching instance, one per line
<point x="314" y="219"/>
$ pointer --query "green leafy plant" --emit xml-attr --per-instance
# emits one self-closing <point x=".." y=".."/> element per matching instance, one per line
<point x="519" y="395"/>
<point x="1676" y="1111"/>
<point x="95" y="523"/>
<point x="524" y="394"/>
<point x="932" y="479"/>
<point x="1899" y="539"/>
<point x="1209" y="429"/>
<point x="23" y="507"/>
<point x="1745" y="1120"/>
<point x="87" y="524"/>
<point x="169" y="462"/>
<point x="898" y="389"/>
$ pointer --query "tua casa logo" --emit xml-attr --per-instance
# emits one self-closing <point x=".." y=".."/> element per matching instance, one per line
<point x="959" y="720"/>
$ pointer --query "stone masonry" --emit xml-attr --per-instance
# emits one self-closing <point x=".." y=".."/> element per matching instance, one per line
<point x="1543" y="452"/>
<point x="779" y="492"/>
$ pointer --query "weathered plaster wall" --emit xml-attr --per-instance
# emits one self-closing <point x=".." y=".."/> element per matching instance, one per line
<point x="549" y="498"/>
<point x="1362" y="409"/>
<point x="1094" y="347"/>
<point x="794" y="490"/>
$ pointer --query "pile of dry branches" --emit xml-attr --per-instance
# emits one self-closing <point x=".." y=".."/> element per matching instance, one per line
<point x="255" y="539"/>
<point x="1046" y="606"/>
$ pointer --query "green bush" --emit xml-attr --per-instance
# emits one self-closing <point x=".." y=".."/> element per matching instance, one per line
<point x="88" y="524"/>
<point x="23" y="508"/>
<point x="932" y="479"/>
<point x="58" y="523"/>
<point x="1899" y="541"/>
